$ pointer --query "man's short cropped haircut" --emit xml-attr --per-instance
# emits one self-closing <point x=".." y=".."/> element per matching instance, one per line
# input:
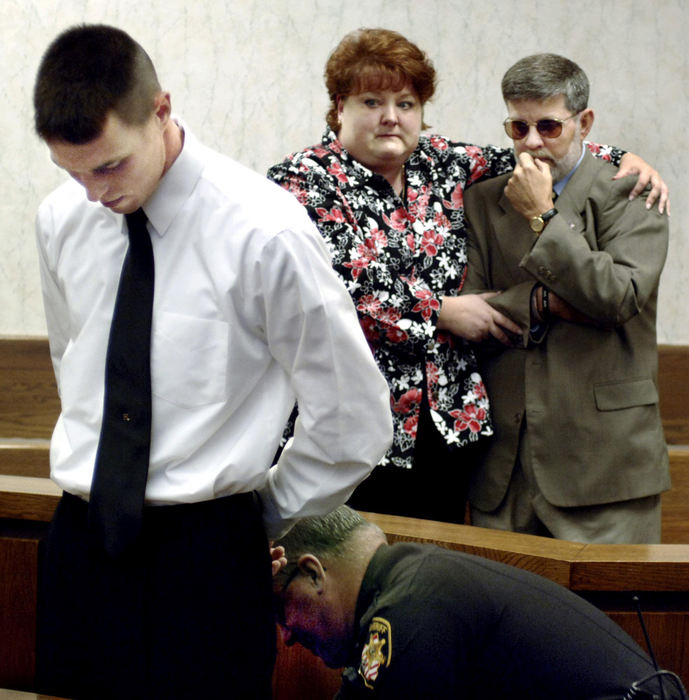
<point x="376" y="59"/>
<point x="546" y="75"/>
<point x="87" y="72"/>
<point x="325" y="537"/>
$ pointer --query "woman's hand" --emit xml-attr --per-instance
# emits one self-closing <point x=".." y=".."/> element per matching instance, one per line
<point x="471" y="317"/>
<point x="632" y="164"/>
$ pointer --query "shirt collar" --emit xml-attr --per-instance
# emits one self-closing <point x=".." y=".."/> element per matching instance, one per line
<point x="560" y="184"/>
<point x="177" y="184"/>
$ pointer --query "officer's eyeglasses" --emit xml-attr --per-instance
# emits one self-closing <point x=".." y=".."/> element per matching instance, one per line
<point x="549" y="128"/>
<point x="278" y="605"/>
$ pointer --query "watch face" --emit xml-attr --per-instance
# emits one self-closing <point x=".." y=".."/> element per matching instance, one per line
<point x="537" y="224"/>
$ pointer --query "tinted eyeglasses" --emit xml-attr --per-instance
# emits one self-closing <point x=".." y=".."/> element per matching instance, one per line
<point x="549" y="128"/>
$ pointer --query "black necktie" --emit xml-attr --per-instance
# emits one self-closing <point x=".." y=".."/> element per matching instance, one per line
<point x="121" y="469"/>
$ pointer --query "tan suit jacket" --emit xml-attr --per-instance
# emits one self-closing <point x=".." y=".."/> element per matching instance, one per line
<point x="588" y="393"/>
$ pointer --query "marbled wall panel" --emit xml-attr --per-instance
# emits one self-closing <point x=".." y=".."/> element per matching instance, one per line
<point x="247" y="77"/>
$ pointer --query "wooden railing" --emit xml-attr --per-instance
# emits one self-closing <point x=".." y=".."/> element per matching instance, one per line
<point x="605" y="574"/>
<point x="29" y="406"/>
<point x="26" y="492"/>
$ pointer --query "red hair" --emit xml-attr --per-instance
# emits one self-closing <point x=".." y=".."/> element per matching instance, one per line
<point x="376" y="59"/>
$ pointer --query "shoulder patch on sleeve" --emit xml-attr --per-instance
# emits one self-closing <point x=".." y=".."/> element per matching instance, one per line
<point x="377" y="651"/>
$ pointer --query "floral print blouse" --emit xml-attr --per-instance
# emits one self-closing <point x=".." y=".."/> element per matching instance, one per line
<point x="398" y="256"/>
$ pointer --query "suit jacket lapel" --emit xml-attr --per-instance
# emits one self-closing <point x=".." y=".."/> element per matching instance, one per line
<point x="571" y="201"/>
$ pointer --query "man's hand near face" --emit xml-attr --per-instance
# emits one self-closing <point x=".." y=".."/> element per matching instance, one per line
<point x="530" y="189"/>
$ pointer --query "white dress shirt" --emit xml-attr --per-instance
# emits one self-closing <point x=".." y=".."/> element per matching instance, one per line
<point x="248" y="316"/>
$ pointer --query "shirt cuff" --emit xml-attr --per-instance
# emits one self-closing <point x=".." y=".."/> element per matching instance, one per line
<point x="275" y="526"/>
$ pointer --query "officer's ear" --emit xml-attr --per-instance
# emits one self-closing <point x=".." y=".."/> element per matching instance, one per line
<point x="311" y="567"/>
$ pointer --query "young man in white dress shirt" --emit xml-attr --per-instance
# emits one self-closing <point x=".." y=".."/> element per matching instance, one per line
<point x="248" y="317"/>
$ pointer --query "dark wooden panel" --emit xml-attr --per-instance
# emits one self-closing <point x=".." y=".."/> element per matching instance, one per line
<point x="669" y="634"/>
<point x="18" y="589"/>
<point x="673" y="386"/>
<point x="25" y="458"/>
<point x="666" y="617"/>
<point x="675" y="502"/>
<point x="300" y="675"/>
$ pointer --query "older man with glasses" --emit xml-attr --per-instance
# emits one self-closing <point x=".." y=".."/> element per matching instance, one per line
<point x="578" y="452"/>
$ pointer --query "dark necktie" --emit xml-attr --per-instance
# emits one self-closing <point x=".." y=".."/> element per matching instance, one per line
<point x="121" y="469"/>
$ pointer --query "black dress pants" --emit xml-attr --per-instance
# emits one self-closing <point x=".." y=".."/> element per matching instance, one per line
<point x="186" y="615"/>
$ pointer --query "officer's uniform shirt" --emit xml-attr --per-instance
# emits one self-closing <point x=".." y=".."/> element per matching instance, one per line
<point x="434" y="623"/>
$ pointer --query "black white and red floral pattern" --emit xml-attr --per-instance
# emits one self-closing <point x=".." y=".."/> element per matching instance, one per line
<point x="398" y="258"/>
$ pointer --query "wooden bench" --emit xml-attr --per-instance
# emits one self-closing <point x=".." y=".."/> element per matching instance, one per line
<point x="606" y="574"/>
<point x="29" y="404"/>
<point x="26" y="492"/>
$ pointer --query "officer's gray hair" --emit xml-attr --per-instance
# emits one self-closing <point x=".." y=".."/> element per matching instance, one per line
<point x="326" y="537"/>
<point x="545" y="75"/>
